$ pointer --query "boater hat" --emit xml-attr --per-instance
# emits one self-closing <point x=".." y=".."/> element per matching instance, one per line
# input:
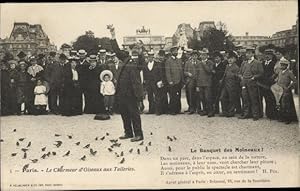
<point x="81" y="53"/>
<point x="106" y="72"/>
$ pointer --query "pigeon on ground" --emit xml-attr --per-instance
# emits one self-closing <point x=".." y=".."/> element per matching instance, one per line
<point x="122" y="161"/>
<point x="17" y="143"/>
<point x="57" y="135"/>
<point x="70" y="136"/>
<point x="149" y="144"/>
<point x="114" y="140"/>
<point x="151" y="133"/>
<point x="122" y="154"/>
<point x="44" y="148"/>
<point x="141" y="143"/>
<point x="102" y="138"/>
<point x="130" y="150"/>
<point x="83" y="158"/>
<point x="93" y="152"/>
<point x="107" y="134"/>
<point x="53" y="153"/>
<point x="48" y="154"/>
<point x="170" y="149"/>
<point x="146" y="149"/>
<point x="34" y="160"/>
<point x="44" y="156"/>
<point x="58" y="143"/>
<point x="14" y="130"/>
<point x="24" y="150"/>
<point x="86" y="146"/>
<point x="78" y="143"/>
<point x="96" y="139"/>
<point x="21" y="139"/>
<point x="138" y="151"/>
<point x="174" y="138"/>
<point x="25" y="156"/>
<point x="117" y="154"/>
<point x="25" y="167"/>
<point x="1" y="140"/>
<point x="67" y="154"/>
<point x="13" y="154"/>
<point x="109" y="149"/>
<point x="29" y="144"/>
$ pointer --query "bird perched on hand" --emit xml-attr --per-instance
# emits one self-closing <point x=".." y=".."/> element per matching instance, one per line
<point x="86" y="146"/>
<point x="66" y="154"/>
<point x="83" y="158"/>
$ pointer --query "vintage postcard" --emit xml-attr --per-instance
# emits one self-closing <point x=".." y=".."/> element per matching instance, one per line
<point x="149" y="95"/>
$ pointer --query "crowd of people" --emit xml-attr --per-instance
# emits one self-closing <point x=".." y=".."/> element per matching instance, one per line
<point x="227" y="83"/>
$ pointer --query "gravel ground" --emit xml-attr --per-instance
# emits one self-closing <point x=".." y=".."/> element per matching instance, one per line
<point x="190" y="131"/>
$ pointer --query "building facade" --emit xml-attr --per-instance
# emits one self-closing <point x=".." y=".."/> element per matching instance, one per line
<point x="143" y="36"/>
<point x="249" y="40"/>
<point x="27" y="38"/>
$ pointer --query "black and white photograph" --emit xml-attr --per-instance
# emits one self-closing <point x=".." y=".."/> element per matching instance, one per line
<point x="149" y="95"/>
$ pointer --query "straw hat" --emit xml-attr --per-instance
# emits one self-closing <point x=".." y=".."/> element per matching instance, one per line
<point x="106" y="72"/>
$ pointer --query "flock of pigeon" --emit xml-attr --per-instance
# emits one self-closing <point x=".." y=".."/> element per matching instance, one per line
<point x="25" y="146"/>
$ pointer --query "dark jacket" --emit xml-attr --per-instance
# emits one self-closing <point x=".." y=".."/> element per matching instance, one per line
<point x="256" y="69"/>
<point x="219" y="71"/>
<point x="54" y="74"/>
<point x="267" y="77"/>
<point x="204" y="73"/>
<point x="174" y="71"/>
<point x="116" y="72"/>
<point x="154" y="75"/>
<point x="129" y="83"/>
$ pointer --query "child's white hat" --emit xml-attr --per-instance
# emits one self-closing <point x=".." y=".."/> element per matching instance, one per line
<point x="106" y="72"/>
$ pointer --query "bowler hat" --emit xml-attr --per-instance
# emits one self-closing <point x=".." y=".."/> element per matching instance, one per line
<point x="52" y="53"/>
<point x="21" y="54"/>
<point x="106" y="72"/>
<point x="161" y="53"/>
<point x="62" y="56"/>
<point x="232" y="54"/>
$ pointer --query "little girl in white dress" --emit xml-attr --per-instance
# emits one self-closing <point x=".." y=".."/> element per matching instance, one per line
<point x="41" y="99"/>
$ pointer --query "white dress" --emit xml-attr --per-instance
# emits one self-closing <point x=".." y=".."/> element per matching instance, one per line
<point x="40" y="99"/>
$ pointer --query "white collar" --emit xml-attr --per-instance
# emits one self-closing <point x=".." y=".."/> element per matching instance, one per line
<point x="173" y="57"/>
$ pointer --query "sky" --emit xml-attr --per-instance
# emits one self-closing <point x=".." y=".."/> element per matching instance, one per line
<point x="64" y="22"/>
